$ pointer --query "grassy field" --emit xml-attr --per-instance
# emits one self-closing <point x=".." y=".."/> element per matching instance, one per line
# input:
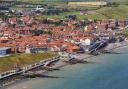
<point x="119" y="12"/>
<point x="7" y="63"/>
<point x="79" y="16"/>
<point x="76" y="0"/>
<point x="65" y="1"/>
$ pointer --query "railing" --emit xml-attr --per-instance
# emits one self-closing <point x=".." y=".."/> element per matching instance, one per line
<point x="97" y="47"/>
<point x="27" y="68"/>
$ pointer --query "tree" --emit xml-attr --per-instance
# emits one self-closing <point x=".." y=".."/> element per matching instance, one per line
<point x="112" y="4"/>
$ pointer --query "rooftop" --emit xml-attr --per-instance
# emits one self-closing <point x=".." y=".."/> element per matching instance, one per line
<point x="4" y="48"/>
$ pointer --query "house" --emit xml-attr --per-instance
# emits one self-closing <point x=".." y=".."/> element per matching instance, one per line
<point x="102" y="25"/>
<point x="4" y="40"/>
<point x="64" y="55"/>
<point x="55" y="49"/>
<point x="121" y="23"/>
<point x="12" y="20"/>
<point x="36" y="50"/>
<point x="89" y="28"/>
<point x="86" y="42"/>
<point x="126" y="22"/>
<point x="5" y="4"/>
<point x="72" y="48"/>
<point x="5" y="51"/>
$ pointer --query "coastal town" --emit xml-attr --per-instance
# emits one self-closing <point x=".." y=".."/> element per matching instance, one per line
<point x="71" y="40"/>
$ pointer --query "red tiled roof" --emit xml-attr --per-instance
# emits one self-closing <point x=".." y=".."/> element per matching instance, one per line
<point x="72" y="47"/>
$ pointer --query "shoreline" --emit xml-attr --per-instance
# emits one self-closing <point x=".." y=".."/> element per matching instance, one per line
<point x="61" y="65"/>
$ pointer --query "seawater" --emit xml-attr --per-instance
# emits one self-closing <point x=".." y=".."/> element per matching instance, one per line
<point x="110" y="72"/>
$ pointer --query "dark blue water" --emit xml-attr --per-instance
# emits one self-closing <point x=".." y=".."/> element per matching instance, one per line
<point x="111" y="72"/>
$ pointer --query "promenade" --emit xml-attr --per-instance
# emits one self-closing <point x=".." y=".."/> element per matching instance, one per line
<point x="55" y="61"/>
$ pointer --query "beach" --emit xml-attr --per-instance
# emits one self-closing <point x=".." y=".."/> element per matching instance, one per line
<point x="64" y="67"/>
<point x="62" y="44"/>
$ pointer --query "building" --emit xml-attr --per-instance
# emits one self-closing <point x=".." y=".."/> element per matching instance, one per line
<point x="72" y="48"/>
<point x="90" y="4"/>
<point x="126" y="22"/>
<point x="86" y="42"/>
<point x="36" y="50"/>
<point x="64" y="55"/>
<point x="6" y="51"/>
<point x="5" y="4"/>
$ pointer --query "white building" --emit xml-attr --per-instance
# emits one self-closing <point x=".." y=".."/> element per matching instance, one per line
<point x="86" y="42"/>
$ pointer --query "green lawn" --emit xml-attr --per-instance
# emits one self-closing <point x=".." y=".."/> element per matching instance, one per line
<point x="7" y="63"/>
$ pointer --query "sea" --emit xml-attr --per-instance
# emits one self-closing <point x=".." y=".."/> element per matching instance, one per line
<point x="109" y="72"/>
